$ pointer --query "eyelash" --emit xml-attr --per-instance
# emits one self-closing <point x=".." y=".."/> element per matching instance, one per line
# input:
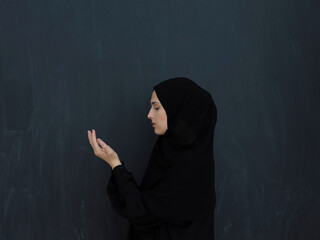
<point x="156" y="109"/>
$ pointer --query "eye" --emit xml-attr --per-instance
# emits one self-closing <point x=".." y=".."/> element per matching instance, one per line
<point x="156" y="109"/>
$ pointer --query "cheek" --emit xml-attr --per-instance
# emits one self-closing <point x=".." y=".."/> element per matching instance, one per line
<point x="163" y="117"/>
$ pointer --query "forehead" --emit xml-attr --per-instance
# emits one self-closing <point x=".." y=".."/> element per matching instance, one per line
<point x="154" y="98"/>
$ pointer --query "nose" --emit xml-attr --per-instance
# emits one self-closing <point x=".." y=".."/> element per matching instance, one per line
<point x="148" y="116"/>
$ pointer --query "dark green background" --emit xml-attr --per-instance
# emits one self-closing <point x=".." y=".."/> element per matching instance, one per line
<point x="69" y="66"/>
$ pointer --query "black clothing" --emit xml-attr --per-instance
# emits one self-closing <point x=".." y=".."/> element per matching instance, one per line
<point x="127" y="201"/>
<point x="176" y="198"/>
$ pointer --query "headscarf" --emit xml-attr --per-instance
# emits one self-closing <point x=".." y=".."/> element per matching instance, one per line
<point x="178" y="184"/>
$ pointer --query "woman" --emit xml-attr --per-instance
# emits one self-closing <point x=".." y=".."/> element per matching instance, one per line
<point x="176" y="198"/>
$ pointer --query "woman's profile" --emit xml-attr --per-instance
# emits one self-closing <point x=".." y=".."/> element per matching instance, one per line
<point x="176" y="198"/>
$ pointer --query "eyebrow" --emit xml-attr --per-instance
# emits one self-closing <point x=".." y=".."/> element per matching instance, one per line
<point x="154" y="103"/>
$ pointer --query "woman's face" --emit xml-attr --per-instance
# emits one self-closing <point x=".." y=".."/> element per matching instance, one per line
<point x="157" y="115"/>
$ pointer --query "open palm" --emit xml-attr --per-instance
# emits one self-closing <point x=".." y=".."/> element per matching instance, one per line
<point x="102" y="150"/>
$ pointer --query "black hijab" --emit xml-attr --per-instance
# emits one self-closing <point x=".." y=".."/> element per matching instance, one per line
<point x="179" y="180"/>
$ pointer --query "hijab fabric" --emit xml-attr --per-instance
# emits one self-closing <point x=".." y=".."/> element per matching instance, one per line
<point x="178" y="184"/>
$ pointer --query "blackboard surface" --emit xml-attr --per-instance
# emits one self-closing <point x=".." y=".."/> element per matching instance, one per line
<point x="69" y="66"/>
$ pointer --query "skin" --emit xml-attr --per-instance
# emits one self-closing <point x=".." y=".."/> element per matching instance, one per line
<point x="103" y="150"/>
<point x="157" y="114"/>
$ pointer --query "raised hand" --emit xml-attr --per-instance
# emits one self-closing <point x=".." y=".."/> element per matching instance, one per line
<point x="102" y="150"/>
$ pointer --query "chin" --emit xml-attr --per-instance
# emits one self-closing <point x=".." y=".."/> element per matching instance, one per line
<point x="159" y="133"/>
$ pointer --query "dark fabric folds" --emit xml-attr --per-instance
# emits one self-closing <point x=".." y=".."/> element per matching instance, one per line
<point x="178" y="184"/>
<point x="126" y="199"/>
<point x="176" y="198"/>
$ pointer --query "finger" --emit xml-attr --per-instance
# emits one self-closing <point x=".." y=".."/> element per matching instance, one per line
<point x="105" y="146"/>
<point x="89" y="137"/>
<point x="101" y="144"/>
<point x="94" y="141"/>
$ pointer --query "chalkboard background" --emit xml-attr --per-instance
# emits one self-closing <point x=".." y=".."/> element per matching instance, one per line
<point x="69" y="66"/>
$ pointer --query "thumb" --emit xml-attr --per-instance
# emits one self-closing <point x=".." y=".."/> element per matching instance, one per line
<point x="104" y="145"/>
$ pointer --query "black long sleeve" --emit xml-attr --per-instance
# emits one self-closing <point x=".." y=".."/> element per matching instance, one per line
<point x="127" y="200"/>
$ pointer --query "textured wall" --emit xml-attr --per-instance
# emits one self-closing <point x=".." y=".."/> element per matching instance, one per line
<point x="69" y="66"/>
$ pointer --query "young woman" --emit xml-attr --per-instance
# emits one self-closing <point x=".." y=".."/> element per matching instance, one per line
<point x="176" y="198"/>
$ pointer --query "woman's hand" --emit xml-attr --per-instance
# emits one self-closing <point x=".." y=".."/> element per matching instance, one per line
<point x="105" y="152"/>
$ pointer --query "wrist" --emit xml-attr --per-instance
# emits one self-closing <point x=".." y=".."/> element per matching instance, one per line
<point x="113" y="165"/>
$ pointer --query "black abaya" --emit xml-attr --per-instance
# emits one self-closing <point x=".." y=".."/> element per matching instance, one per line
<point x="127" y="201"/>
<point x="176" y="198"/>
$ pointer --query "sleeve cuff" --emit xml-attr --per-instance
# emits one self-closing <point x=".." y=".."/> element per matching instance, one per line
<point x="120" y="174"/>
